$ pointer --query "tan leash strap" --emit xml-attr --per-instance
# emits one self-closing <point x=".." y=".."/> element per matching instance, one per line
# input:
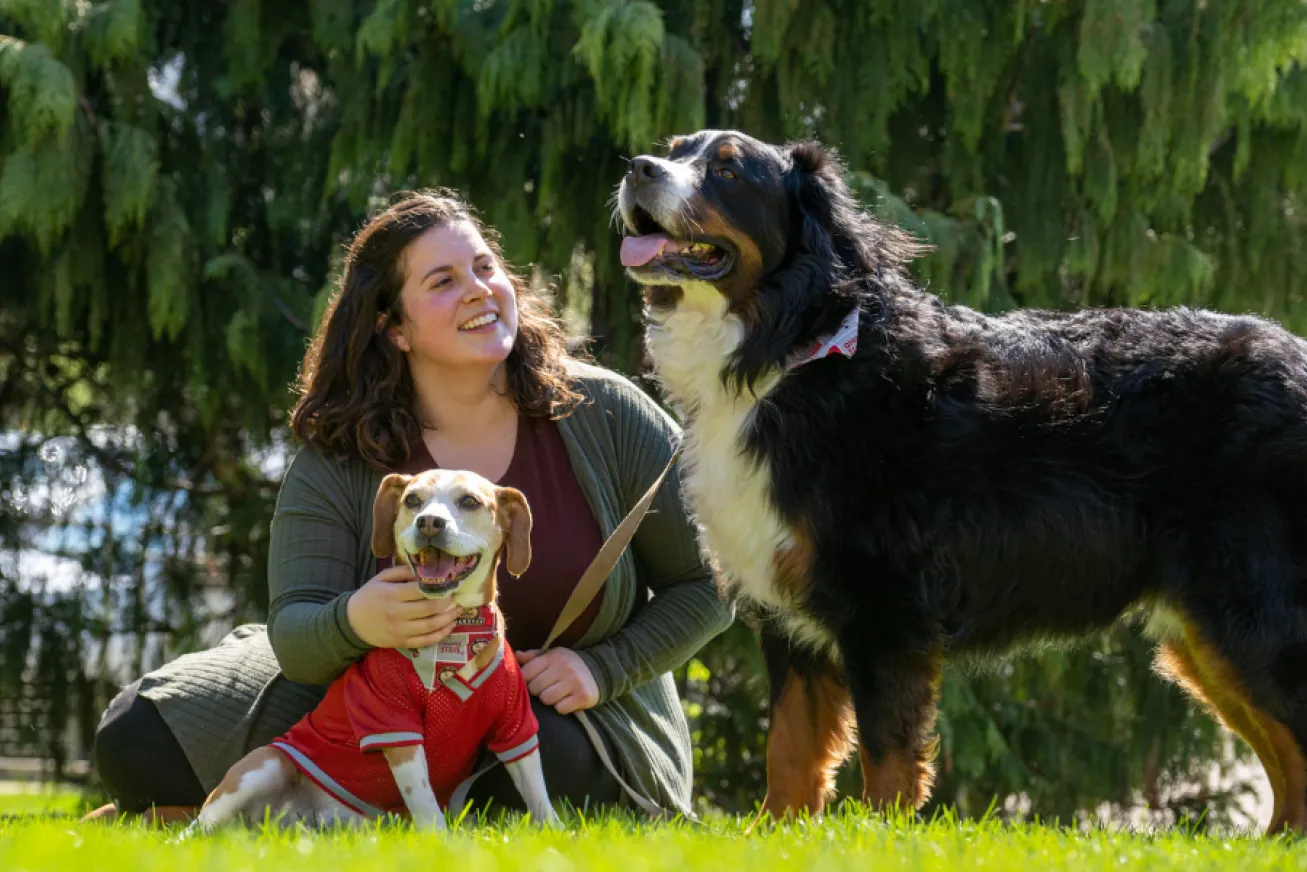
<point x="599" y="569"/>
<point x="584" y="593"/>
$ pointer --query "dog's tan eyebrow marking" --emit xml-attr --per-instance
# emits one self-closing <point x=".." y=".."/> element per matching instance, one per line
<point x="675" y="142"/>
<point x="728" y="150"/>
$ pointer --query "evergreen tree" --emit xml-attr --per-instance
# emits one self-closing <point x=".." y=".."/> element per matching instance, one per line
<point x="177" y="181"/>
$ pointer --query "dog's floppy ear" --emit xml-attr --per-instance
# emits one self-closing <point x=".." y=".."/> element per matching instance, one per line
<point x="821" y="196"/>
<point x="384" y="512"/>
<point x="831" y="220"/>
<point x="514" y="516"/>
<point x="812" y="266"/>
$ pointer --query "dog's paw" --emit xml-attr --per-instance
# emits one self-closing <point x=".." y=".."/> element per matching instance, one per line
<point x="194" y="829"/>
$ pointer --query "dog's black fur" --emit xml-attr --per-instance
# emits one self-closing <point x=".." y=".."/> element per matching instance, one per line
<point x="970" y="483"/>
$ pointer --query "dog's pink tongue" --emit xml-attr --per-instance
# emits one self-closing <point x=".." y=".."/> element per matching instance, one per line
<point x="639" y="250"/>
<point x="441" y="567"/>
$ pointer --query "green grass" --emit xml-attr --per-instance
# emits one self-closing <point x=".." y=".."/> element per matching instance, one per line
<point x="40" y="833"/>
<point x="38" y="802"/>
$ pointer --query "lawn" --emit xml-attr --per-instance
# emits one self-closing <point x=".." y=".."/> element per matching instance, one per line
<point x="39" y="833"/>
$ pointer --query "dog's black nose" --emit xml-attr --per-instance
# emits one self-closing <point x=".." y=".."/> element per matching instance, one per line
<point x="430" y="525"/>
<point x="645" y="170"/>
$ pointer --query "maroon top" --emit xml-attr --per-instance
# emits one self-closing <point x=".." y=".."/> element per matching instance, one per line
<point x="565" y="537"/>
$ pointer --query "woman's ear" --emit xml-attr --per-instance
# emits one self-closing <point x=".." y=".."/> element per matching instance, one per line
<point x="395" y="333"/>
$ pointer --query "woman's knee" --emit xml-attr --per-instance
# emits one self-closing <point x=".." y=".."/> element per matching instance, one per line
<point x="113" y="736"/>
<point x="572" y="767"/>
<point x="112" y="748"/>
<point x="138" y="759"/>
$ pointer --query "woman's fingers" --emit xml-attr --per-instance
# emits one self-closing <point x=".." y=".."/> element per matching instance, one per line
<point x="556" y="692"/>
<point x="426" y="639"/>
<point x="434" y="624"/>
<point x="548" y="674"/>
<point x="568" y="704"/>
<point x="398" y="573"/>
<point x="424" y="608"/>
<point x="535" y="665"/>
<point x="561" y="678"/>
<point x="426" y="621"/>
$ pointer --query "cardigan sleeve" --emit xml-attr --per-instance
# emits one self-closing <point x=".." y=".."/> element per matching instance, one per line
<point x="686" y="610"/>
<point x="312" y="572"/>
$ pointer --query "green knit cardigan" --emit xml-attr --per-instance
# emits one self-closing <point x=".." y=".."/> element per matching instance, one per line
<point x="260" y="679"/>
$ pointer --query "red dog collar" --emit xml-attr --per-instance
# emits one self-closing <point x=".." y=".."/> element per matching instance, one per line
<point x="451" y="659"/>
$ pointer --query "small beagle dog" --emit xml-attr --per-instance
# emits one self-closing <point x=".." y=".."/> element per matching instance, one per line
<point x="399" y="730"/>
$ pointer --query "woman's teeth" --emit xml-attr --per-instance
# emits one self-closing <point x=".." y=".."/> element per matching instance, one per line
<point x="488" y="318"/>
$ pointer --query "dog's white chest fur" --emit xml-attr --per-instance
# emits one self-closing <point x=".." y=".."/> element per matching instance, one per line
<point x="729" y="491"/>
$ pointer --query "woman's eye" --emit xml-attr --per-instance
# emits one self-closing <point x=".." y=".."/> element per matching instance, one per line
<point x="412" y="501"/>
<point x="469" y="502"/>
<point x="726" y="173"/>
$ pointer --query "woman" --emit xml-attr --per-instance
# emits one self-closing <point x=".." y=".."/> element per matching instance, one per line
<point x="434" y="353"/>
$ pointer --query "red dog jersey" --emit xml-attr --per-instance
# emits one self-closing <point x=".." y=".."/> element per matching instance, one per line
<point x="414" y="697"/>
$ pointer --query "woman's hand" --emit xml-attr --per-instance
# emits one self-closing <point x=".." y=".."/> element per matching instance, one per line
<point x="560" y="678"/>
<point x="390" y="612"/>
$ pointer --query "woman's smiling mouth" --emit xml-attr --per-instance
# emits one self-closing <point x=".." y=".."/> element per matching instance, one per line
<point x="480" y="321"/>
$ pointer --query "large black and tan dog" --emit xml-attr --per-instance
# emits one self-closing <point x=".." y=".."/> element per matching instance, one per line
<point x="896" y="481"/>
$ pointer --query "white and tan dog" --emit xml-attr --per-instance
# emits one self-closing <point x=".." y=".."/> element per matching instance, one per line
<point x="399" y="729"/>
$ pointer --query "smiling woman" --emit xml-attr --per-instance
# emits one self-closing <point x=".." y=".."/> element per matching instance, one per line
<point x="434" y="354"/>
<point x="427" y="302"/>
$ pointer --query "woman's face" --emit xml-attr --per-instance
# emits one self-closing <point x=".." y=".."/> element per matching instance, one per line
<point x="459" y="308"/>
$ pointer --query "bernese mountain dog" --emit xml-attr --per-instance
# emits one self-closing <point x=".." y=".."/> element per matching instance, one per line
<point x="894" y="481"/>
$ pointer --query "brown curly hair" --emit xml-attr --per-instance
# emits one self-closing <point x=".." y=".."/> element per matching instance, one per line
<point x="355" y="393"/>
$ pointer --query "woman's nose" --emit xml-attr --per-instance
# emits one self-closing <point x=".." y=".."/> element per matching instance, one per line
<point x="478" y="290"/>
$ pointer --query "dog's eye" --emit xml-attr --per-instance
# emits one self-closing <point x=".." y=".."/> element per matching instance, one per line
<point x="467" y="501"/>
<point x="726" y="173"/>
<point x="412" y="501"/>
